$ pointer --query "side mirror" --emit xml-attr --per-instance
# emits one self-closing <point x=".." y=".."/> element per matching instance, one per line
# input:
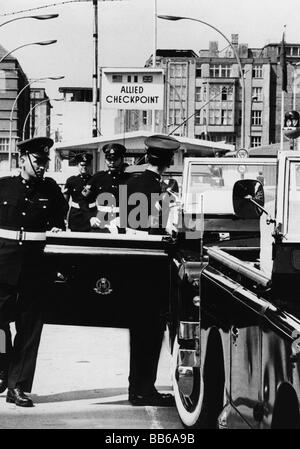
<point x="248" y="198"/>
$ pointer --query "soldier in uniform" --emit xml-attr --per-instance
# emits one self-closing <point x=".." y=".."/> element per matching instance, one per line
<point x="106" y="184"/>
<point x="78" y="215"/>
<point x="148" y="322"/>
<point x="29" y="205"/>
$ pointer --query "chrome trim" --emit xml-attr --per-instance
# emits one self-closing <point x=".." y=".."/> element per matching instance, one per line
<point x="239" y="266"/>
<point x="188" y="358"/>
<point x="139" y="236"/>
<point x="188" y="330"/>
<point x="97" y="251"/>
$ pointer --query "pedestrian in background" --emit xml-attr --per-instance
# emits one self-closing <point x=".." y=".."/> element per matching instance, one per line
<point x="104" y="185"/>
<point x="29" y="205"/>
<point x="78" y="218"/>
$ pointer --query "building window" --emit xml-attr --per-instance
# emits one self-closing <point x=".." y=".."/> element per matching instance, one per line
<point x="288" y="51"/>
<point x="178" y="70"/>
<point x="179" y="116"/>
<point x="257" y="71"/>
<point x="255" y="141"/>
<point x="4" y="144"/>
<point x="220" y="71"/>
<point x="257" y="93"/>
<point x="171" y="117"/>
<point x="177" y="93"/>
<point x="135" y="79"/>
<point x="117" y="78"/>
<point x="214" y="117"/>
<point x="226" y="116"/>
<point x="256" y="118"/>
<point x="197" y="117"/>
<point x="226" y="93"/>
<point x="35" y="94"/>
<point x="220" y="116"/>
<point x="129" y="79"/>
<point x="145" y="118"/>
<point x="198" y="94"/>
<point x="198" y="72"/>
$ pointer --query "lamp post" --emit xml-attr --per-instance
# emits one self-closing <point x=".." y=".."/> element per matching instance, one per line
<point x="49" y="42"/>
<point x="53" y="78"/>
<point x="46" y="100"/>
<point x="39" y="17"/>
<point x="242" y="79"/>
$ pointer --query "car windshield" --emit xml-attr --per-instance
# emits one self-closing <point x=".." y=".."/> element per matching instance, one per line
<point x="294" y="200"/>
<point x="213" y="180"/>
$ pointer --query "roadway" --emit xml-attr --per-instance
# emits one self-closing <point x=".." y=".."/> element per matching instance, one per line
<point x="81" y="383"/>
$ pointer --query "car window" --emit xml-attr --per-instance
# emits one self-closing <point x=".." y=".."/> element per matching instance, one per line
<point x="214" y="181"/>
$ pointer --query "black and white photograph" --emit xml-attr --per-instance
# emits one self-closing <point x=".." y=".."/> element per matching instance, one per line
<point x="149" y="217"/>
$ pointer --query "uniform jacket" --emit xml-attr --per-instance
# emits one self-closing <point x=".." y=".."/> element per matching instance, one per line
<point x="74" y="186"/>
<point x="147" y="183"/>
<point x="35" y="206"/>
<point x="78" y="218"/>
<point x="106" y="182"/>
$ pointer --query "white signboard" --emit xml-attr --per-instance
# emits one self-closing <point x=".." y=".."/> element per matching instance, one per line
<point x="133" y="88"/>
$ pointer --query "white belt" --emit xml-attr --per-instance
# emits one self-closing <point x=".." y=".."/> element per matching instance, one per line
<point x="111" y="209"/>
<point x="22" y="235"/>
<point x="76" y="205"/>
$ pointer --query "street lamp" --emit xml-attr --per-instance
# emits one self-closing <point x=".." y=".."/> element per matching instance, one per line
<point x="46" y="100"/>
<point x="52" y="78"/>
<point x="175" y="18"/>
<point x="39" y="17"/>
<point x="49" y="42"/>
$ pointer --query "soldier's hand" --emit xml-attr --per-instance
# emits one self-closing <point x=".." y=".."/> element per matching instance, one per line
<point x="95" y="222"/>
<point x="55" y="230"/>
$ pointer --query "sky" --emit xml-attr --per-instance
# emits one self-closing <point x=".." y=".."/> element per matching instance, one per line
<point x="126" y="32"/>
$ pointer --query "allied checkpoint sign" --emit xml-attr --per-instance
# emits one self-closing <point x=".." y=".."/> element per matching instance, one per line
<point x="132" y="88"/>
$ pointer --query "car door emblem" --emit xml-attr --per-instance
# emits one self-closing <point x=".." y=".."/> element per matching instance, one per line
<point x="103" y="287"/>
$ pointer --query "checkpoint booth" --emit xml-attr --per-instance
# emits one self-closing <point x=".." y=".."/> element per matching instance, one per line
<point x="134" y="142"/>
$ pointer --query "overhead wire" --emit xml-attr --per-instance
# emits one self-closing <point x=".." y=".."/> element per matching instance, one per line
<point x="11" y="13"/>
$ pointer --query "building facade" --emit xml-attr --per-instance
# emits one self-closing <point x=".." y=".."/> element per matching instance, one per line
<point x="40" y="113"/>
<point x="203" y="93"/>
<point x="12" y="113"/>
<point x="77" y="113"/>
